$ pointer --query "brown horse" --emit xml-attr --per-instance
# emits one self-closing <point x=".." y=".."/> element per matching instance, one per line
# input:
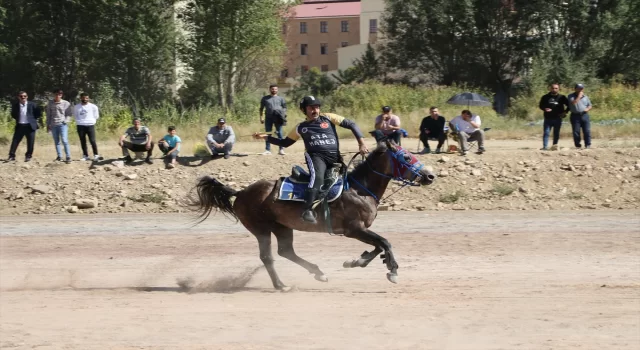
<point x="351" y="214"/>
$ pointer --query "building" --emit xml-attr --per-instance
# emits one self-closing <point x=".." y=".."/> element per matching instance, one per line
<point x="370" y="18"/>
<point x="314" y="33"/>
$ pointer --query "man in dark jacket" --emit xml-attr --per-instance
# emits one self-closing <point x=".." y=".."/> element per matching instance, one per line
<point x="26" y="114"/>
<point x="432" y="127"/>
<point x="555" y="107"/>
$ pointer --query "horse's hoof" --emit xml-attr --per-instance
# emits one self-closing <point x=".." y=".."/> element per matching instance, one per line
<point x="285" y="289"/>
<point x="322" y="278"/>
<point x="392" y="277"/>
<point x="349" y="264"/>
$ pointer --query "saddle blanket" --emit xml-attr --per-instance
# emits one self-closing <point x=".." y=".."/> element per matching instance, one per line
<point x="294" y="191"/>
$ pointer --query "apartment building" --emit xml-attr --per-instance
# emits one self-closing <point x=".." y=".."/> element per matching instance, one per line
<point x="314" y="33"/>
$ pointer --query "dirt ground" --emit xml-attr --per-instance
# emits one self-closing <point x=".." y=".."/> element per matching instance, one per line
<point x="468" y="280"/>
<point x="512" y="175"/>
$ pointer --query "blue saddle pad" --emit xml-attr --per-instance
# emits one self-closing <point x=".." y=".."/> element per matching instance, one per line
<point x="294" y="191"/>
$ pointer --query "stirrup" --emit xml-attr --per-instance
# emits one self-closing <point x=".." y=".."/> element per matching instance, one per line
<point x="313" y="216"/>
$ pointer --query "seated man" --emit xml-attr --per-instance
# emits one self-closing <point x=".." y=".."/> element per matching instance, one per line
<point x="221" y="139"/>
<point x="170" y="146"/>
<point x="467" y="127"/>
<point x="432" y="127"/>
<point x="389" y="124"/>
<point x="139" y="141"/>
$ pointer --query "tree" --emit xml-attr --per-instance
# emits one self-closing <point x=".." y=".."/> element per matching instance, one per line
<point x="227" y="39"/>
<point x="313" y="82"/>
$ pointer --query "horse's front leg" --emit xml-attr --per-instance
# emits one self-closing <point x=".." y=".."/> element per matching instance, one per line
<point x="381" y="244"/>
<point x="364" y="259"/>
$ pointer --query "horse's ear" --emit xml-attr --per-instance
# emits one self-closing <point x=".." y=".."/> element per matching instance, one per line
<point x="379" y="136"/>
<point x="390" y="144"/>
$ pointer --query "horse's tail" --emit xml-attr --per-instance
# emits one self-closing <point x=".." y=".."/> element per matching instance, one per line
<point x="212" y="194"/>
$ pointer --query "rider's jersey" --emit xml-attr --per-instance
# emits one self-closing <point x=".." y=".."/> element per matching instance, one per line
<point x="319" y="135"/>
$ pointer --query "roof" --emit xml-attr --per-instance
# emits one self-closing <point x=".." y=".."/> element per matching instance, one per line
<point x="332" y="9"/>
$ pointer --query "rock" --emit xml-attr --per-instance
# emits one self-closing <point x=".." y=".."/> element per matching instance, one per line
<point x="107" y="168"/>
<point x="383" y="208"/>
<point x="476" y="172"/>
<point x="588" y="206"/>
<point x="444" y="159"/>
<point x="246" y="163"/>
<point x="72" y="209"/>
<point x="118" y="164"/>
<point x="44" y="189"/>
<point x="85" y="203"/>
<point x="16" y="196"/>
<point x="518" y="178"/>
<point x="231" y="184"/>
<point x="443" y="173"/>
<point x="120" y="173"/>
<point x="523" y="190"/>
<point x="125" y="204"/>
<point x="461" y="168"/>
<point x="156" y="186"/>
<point x="77" y="193"/>
<point x="166" y="203"/>
<point x="421" y="207"/>
<point x="131" y="176"/>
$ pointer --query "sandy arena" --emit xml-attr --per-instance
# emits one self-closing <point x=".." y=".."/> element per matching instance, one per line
<point x="468" y="280"/>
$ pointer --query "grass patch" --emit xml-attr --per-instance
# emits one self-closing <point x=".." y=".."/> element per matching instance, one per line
<point x="503" y="189"/>
<point x="149" y="198"/>
<point x="201" y="150"/>
<point x="451" y="197"/>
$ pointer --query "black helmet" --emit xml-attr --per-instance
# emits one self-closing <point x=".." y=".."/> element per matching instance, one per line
<point x="309" y="101"/>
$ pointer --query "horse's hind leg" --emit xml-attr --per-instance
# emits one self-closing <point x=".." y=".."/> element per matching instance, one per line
<point x="381" y="244"/>
<point x="285" y="249"/>
<point x="264" y="243"/>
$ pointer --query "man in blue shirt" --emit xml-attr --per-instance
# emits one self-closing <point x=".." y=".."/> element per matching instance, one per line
<point x="580" y="105"/>
<point x="170" y="146"/>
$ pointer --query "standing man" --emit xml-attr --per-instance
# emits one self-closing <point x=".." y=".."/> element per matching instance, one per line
<point x="580" y="105"/>
<point x="86" y="114"/>
<point x="389" y="124"/>
<point x="555" y="107"/>
<point x="432" y="127"/>
<point x="26" y="114"/>
<point x="139" y="141"/>
<point x="275" y="109"/>
<point x="58" y="118"/>
<point x="467" y="126"/>
<point x="221" y="139"/>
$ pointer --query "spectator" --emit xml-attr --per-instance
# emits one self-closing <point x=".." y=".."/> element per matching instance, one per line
<point x="389" y="124"/>
<point x="221" y="139"/>
<point x="467" y="127"/>
<point x="26" y="114"/>
<point x="275" y="111"/>
<point x="58" y="118"/>
<point x="140" y="140"/>
<point x="432" y="127"/>
<point x="86" y="114"/>
<point x="169" y="145"/>
<point x="555" y="107"/>
<point x="580" y="105"/>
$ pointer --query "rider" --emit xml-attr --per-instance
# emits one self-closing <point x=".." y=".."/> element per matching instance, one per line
<point x="321" y="145"/>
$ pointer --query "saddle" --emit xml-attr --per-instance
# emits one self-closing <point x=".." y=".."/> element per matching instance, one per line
<point x="292" y="187"/>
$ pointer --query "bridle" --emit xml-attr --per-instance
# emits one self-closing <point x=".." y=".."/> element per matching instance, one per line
<point x="401" y="166"/>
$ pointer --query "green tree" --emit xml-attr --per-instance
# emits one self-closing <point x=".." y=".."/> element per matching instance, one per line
<point x="313" y="82"/>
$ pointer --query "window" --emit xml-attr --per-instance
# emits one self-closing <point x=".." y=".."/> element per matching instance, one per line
<point x="303" y="27"/>
<point x="304" y="69"/>
<point x="303" y="49"/>
<point x="324" y="49"/>
<point x="284" y="73"/>
<point x="323" y="27"/>
<point x="324" y="68"/>
<point x="373" y="25"/>
<point x="344" y="44"/>
<point x="344" y="26"/>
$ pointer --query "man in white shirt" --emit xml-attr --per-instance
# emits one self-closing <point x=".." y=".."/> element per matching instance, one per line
<point x="467" y="127"/>
<point x="86" y="114"/>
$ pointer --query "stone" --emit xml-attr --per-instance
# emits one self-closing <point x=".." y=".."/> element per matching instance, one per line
<point x="444" y="159"/>
<point x="43" y="189"/>
<point x="523" y="190"/>
<point x="383" y="207"/>
<point x="107" y="168"/>
<point x="156" y="186"/>
<point x="246" y="163"/>
<point x="118" y="164"/>
<point x="443" y="173"/>
<point x="77" y="193"/>
<point x="72" y="209"/>
<point x="120" y="173"/>
<point x="85" y="203"/>
<point x="131" y="176"/>
<point x="476" y="172"/>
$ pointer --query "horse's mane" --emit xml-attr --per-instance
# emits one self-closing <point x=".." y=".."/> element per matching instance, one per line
<point x="381" y="148"/>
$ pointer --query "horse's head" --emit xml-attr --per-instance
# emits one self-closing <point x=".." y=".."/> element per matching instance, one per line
<point x="398" y="163"/>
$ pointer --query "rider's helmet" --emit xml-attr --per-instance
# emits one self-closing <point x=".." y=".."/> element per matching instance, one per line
<point x="309" y="101"/>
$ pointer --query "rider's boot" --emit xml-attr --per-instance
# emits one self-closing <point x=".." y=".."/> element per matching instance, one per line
<point x="309" y="196"/>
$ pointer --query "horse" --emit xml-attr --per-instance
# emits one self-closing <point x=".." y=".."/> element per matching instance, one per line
<point x="352" y="213"/>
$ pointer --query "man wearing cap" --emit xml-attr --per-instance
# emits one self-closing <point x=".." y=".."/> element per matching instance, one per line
<point x="320" y="139"/>
<point x="221" y="139"/>
<point x="59" y="113"/>
<point x="555" y="107"/>
<point x="580" y="105"/>
<point x="389" y="124"/>
<point x="139" y="141"/>
<point x="275" y="109"/>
